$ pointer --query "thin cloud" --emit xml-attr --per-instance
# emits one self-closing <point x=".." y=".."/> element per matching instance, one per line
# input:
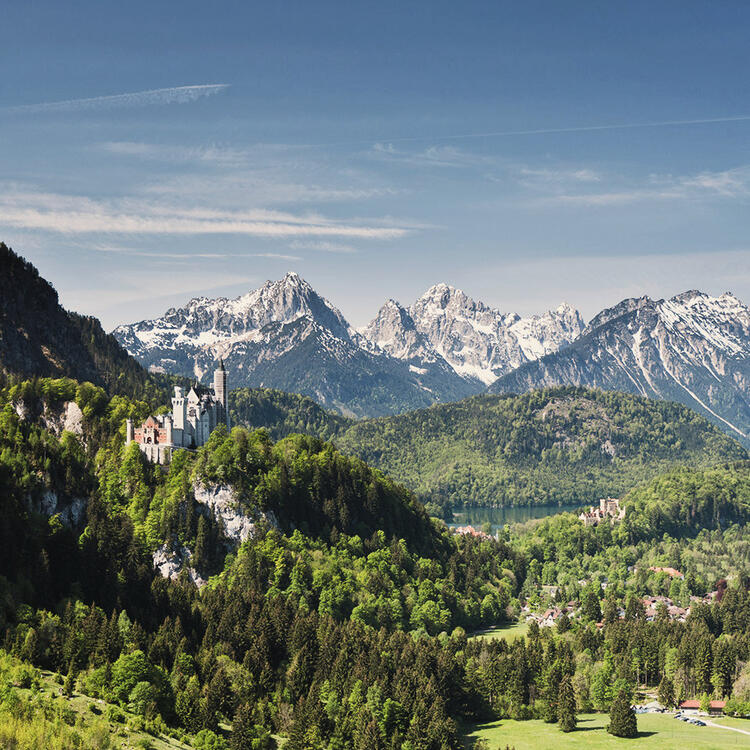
<point x="727" y="184"/>
<point x="79" y="215"/>
<point x="322" y="246"/>
<point x="174" y="95"/>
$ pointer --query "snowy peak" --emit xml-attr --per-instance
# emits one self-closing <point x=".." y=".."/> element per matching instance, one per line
<point x="221" y="321"/>
<point x="393" y="331"/>
<point x="475" y="340"/>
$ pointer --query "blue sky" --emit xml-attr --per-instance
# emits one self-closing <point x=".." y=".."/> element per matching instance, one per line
<point x="152" y="152"/>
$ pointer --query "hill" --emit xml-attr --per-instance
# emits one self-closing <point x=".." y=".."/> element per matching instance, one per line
<point x="692" y="348"/>
<point x="282" y="413"/>
<point x="38" y="338"/>
<point x="557" y="445"/>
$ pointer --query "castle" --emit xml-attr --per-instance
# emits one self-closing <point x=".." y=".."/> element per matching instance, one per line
<point x="609" y="507"/>
<point x="194" y="416"/>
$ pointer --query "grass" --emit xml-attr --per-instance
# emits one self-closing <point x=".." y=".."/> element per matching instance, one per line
<point x="731" y="721"/>
<point x="509" y="632"/>
<point x="121" y="735"/>
<point x="658" y="731"/>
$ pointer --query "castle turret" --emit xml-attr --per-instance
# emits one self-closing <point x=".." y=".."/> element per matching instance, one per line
<point x="178" y="409"/>
<point x="128" y="431"/>
<point x="220" y="390"/>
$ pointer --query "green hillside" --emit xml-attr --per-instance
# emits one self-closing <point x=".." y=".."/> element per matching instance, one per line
<point x="557" y="445"/>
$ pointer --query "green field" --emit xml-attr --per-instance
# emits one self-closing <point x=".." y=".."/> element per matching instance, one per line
<point x="656" y="731"/>
<point x="509" y="632"/>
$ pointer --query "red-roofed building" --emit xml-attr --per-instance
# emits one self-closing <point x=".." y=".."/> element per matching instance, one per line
<point x="716" y="708"/>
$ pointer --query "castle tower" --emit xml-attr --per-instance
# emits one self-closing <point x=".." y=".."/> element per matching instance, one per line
<point x="178" y="409"/>
<point x="220" y="390"/>
<point x="128" y="431"/>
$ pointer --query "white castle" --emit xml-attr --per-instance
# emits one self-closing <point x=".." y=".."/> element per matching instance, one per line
<point x="193" y="418"/>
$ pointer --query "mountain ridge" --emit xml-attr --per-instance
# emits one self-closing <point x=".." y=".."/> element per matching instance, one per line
<point x="691" y="348"/>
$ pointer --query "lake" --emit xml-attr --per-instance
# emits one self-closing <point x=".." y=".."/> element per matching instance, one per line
<point x="476" y="516"/>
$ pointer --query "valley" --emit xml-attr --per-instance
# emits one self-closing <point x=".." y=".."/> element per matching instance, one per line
<point x="290" y="579"/>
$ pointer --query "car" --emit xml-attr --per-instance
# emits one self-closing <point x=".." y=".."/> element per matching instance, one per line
<point x="700" y="723"/>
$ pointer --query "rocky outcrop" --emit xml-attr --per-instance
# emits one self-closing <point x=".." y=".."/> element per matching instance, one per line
<point x="239" y="525"/>
<point x="71" y="512"/>
<point x="68" y="419"/>
<point x="171" y="562"/>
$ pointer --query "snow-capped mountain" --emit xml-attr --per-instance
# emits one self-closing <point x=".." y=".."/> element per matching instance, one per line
<point x="477" y="341"/>
<point x="692" y="348"/>
<point x="285" y="335"/>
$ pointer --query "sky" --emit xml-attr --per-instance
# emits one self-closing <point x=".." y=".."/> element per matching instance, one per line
<point x="527" y="152"/>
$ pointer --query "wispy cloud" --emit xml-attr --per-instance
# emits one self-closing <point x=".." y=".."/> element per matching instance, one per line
<point x="173" y="95"/>
<point x="80" y="215"/>
<point x="322" y="246"/>
<point x="198" y="255"/>
<point x="434" y="156"/>
<point x="730" y="183"/>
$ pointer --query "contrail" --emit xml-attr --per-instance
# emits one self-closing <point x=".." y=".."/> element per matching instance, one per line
<point x="588" y="128"/>
<point x="174" y="95"/>
<point x="535" y="131"/>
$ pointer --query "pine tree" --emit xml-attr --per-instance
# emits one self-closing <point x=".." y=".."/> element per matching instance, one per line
<point x="566" y="705"/>
<point x="69" y="683"/>
<point x="622" y="720"/>
<point x="666" y="692"/>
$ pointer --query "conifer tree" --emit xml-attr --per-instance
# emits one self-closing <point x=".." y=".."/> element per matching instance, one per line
<point x="622" y="720"/>
<point x="666" y="692"/>
<point x="566" y="705"/>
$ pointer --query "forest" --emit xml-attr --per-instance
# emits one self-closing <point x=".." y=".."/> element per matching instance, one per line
<point x="343" y="619"/>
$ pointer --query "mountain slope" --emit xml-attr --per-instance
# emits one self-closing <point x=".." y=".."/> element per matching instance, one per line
<point x="38" y="338"/>
<point x="559" y="445"/>
<point x="692" y="348"/>
<point x="476" y="341"/>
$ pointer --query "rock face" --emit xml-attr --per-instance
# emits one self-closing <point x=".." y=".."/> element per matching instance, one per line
<point x="478" y="342"/>
<point x="69" y="419"/>
<point x="286" y="336"/>
<point x="72" y="513"/>
<point x="222" y="500"/>
<point x="171" y="562"/>
<point x="692" y="348"/>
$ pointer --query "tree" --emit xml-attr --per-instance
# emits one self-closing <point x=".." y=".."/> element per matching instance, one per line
<point x="666" y="692"/>
<point x="69" y="682"/>
<point x="566" y="705"/>
<point x="622" y="720"/>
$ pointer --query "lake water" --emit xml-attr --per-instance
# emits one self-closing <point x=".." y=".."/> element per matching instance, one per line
<point x="467" y="515"/>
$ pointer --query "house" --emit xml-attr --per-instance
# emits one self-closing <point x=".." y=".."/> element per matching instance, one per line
<point x="693" y="707"/>
<point x="671" y="572"/>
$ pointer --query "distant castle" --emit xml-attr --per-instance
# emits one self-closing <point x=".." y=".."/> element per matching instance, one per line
<point x="193" y="418"/>
<point x="609" y="507"/>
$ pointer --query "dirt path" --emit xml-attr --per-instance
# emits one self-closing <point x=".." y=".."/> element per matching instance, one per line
<point x="724" y="726"/>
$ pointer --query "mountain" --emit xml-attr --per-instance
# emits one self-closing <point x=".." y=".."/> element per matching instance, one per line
<point x="557" y="445"/>
<point x="476" y="341"/>
<point x="38" y="338"/>
<point x="692" y="348"/>
<point x="286" y="336"/>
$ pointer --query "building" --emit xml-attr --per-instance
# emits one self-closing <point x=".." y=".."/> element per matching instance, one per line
<point x="609" y="507"/>
<point x="193" y="418"/>
<point x="693" y="707"/>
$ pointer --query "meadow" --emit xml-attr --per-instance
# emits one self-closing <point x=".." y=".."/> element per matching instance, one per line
<point x="660" y="731"/>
